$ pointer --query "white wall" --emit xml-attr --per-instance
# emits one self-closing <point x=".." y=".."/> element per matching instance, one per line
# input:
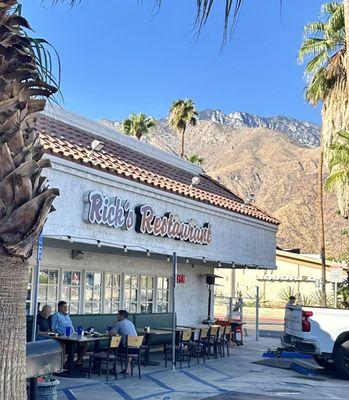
<point x="235" y="237"/>
<point x="191" y="297"/>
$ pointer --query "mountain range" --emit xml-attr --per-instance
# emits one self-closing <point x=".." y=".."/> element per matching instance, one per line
<point x="273" y="158"/>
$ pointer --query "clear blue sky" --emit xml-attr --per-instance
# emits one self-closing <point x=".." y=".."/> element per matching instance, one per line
<point x="118" y="58"/>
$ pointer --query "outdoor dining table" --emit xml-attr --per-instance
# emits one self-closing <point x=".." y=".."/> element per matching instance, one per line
<point x="72" y="342"/>
<point x="146" y="346"/>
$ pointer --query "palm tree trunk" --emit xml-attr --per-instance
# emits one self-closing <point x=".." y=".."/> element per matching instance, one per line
<point x="346" y="21"/>
<point x="182" y="142"/>
<point x="13" y="282"/>
<point x="322" y="229"/>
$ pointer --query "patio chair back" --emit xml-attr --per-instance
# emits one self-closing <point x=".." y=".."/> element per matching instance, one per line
<point x="135" y="341"/>
<point x="186" y="336"/>
<point x="214" y="331"/>
<point x="203" y="332"/>
<point x="227" y="330"/>
<point x="115" y="342"/>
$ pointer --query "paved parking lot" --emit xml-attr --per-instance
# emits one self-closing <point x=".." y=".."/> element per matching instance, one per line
<point x="235" y="377"/>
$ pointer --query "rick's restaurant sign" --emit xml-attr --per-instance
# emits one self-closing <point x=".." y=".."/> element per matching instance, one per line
<point x="117" y="213"/>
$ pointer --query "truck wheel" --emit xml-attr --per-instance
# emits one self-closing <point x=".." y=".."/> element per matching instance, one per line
<point x="341" y="359"/>
<point x="325" y="363"/>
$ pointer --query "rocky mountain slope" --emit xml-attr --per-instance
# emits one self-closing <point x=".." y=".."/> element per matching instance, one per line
<point x="275" y="159"/>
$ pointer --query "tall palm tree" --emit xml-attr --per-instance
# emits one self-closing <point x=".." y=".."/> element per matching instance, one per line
<point x="182" y="114"/>
<point x="324" y="50"/>
<point x="25" y="200"/>
<point x="138" y="125"/>
<point x="339" y="163"/>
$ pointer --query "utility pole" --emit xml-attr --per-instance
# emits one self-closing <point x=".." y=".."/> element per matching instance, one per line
<point x="322" y="229"/>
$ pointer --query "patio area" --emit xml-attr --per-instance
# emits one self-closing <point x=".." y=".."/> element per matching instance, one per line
<point x="228" y="378"/>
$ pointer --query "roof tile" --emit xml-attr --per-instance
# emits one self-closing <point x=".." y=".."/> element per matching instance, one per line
<point x="70" y="142"/>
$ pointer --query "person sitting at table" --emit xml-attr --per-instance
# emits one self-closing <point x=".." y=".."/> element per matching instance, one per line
<point x="60" y="321"/>
<point x="43" y="321"/>
<point x="124" y="327"/>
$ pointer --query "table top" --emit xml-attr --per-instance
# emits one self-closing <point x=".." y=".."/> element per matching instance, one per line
<point x="198" y="326"/>
<point x="78" y="338"/>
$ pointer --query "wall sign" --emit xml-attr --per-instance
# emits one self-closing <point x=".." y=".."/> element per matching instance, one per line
<point x="180" y="278"/>
<point x="117" y="213"/>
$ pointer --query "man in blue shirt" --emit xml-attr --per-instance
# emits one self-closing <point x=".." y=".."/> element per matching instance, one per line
<point x="124" y="327"/>
<point x="61" y="319"/>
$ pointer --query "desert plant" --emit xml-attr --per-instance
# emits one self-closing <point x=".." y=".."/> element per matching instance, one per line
<point x="138" y="125"/>
<point x="182" y="114"/>
<point x="25" y="200"/>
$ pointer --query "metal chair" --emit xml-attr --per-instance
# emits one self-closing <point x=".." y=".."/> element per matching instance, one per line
<point x="132" y="354"/>
<point x="212" y="342"/>
<point x="182" y="348"/>
<point x="198" y="346"/>
<point x="106" y="357"/>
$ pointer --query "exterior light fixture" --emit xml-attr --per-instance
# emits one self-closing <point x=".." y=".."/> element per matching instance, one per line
<point x="148" y="253"/>
<point x="99" y="244"/>
<point x="70" y="239"/>
<point x="219" y="264"/>
<point x="204" y="260"/>
<point x="187" y="260"/>
<point x="96" y="145"/>
<point x="233" y="264"/>
<point x="125" y="249"/>
<point x="195" y="180"/>
<point x="168" y="258"/>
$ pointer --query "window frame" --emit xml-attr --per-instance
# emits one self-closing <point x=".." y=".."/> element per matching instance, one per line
<point x="101" y="297"/>
<point x="71" y="269"/>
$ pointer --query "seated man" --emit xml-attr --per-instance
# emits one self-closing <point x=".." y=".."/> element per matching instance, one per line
<point x="124" y="327"/>
<point x="43" y="321"/>
<point x="60" y="321"/>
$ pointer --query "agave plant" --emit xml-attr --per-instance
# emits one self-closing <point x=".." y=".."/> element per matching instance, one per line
<point x="25" y="201"/>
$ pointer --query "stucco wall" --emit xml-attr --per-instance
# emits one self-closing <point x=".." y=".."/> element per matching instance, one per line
<point x="191" y="297"/>
<point x="234" y="237"/>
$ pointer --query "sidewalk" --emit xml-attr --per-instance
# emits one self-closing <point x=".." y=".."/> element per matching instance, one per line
<point x="229" y="378"/>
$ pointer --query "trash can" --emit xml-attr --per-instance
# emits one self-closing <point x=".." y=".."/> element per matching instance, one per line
<point x="43" y="357"/>
<point x="48" y="390"/>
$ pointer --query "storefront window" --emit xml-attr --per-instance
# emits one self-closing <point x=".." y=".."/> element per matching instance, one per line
<point x="112" y="293"/>
<point x="48" y="287"/>
<point x="29" y="290"/>
<point x="147" y="294"/>
<point x="163" y="295"/>
<point x="71" y="290"/>
<point x="131" y="293"/>
<point x="93" y="293"/>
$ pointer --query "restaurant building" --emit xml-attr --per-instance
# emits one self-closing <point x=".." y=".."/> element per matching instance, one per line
<point x="124" y="208"/>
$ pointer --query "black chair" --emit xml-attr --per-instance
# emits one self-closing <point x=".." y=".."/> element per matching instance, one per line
<point x="106" y="357"/>
<point x="131" y="353"/>
<point x="182" y="348"/>
<point x="199" y="345"/>
<point x="212" y="342"/>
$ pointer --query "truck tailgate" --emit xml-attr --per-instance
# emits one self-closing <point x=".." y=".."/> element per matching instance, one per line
<point x="293" y="321"/>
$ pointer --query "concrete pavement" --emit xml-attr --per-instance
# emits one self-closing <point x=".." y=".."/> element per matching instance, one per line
<point x="234" y="377"/>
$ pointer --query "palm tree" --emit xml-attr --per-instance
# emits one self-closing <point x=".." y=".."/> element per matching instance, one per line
<point x="182" y="114"/>
<point x="138" y="125"/>
<point x="25" y="200"/>
<point x="339" y="165"/>
<point x="324" y="49"/>
<point x="195" y="159"/>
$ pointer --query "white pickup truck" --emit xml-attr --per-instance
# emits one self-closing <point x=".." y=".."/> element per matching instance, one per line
<point x="322" y="332"/>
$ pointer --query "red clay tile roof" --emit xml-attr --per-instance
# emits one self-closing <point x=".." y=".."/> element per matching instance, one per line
<point x="72" y="143"/>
